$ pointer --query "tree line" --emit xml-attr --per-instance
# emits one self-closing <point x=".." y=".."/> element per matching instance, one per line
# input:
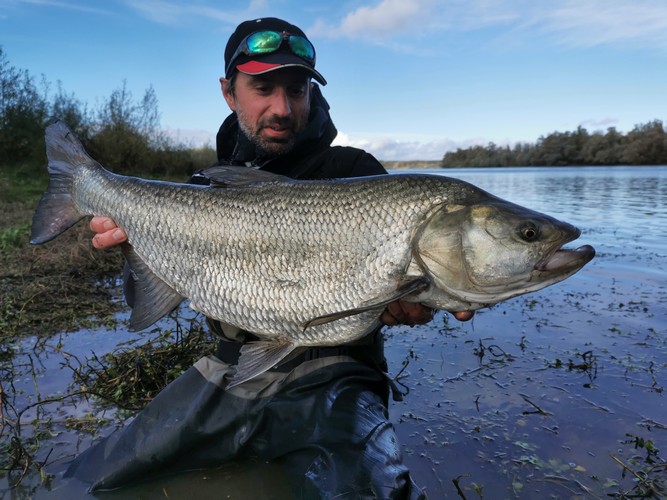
<point x="122" y="133"/>
<point x="645" y="144"/>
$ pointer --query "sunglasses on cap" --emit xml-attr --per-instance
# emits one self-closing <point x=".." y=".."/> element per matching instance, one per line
<point x="266" y="42"/>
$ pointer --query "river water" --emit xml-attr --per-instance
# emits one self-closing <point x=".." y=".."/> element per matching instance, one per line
<point x="555" y="394"/>
<point x="590" y="353"/>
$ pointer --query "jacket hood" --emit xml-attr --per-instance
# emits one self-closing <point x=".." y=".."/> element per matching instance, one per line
<point x="233" y="145"/>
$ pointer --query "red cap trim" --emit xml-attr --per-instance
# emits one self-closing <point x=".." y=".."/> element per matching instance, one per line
<point x="256" y="67"/>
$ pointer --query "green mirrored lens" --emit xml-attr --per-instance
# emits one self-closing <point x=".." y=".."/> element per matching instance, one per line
<point x="301" y="47"/>
<point x="264" y="41"/>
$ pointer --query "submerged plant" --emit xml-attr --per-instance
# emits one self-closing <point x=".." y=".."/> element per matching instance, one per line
<point x="130" y="377"/>
<point x="649" y="472"/>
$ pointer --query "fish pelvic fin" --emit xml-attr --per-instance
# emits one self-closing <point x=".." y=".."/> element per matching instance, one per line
<point x="152" y="298"/>
<point x="403" y="290"/>
<point x="258" y="357"/>
<point x="57" y="211"/>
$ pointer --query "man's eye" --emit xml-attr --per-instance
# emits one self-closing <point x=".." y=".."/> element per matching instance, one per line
<point x="298" y="91"/>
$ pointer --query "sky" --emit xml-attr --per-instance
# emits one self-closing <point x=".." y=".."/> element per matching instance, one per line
<point x="407" y="80"/>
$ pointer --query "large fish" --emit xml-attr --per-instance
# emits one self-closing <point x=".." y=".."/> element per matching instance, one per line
<point x="306" y="263"/>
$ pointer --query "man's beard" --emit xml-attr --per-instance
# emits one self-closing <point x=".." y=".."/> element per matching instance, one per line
<point x="271" y="147"/>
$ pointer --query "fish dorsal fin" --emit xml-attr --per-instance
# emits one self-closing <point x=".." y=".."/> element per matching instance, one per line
<point x="258" y="357"/>
<point x="230" y="176"/>
<point x="153" y="298"/>
<point x="405" y="289"/>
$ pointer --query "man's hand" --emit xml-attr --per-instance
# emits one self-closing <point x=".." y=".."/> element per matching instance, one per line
<point x="411" y="313"/>
<point x="108" y="234"/>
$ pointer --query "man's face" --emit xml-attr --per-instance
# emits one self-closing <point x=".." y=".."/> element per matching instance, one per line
<point x="271" y="108"/>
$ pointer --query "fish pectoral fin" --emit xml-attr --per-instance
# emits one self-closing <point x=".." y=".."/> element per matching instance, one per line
<point x="258" y="357"/>
<point x="152" y="297"/>
<point x="403" y="290"/>
<point x="231" y="176"/>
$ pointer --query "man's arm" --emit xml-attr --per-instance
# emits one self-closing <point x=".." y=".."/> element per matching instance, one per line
<point x="397" y="313"/>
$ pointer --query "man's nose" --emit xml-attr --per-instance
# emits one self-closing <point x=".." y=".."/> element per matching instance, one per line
<point x="280" y="103"/>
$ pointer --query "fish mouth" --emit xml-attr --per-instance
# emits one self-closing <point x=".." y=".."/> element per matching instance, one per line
<point x="565" y="260"/>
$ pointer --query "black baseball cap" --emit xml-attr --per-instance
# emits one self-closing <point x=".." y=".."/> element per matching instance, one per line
<point x="257" y="64"/>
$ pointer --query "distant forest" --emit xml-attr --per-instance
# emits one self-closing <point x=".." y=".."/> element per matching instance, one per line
<point x="646" y="144"/>
<point x="125" y="135"/>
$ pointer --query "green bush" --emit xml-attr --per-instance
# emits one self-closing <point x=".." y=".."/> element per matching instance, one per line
<point x="122" y="133"/>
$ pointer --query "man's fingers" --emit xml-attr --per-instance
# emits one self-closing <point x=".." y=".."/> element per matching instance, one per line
<point x="410" y="313"/>
<point x="393" y="314"/>
<point x="417" y="314"/>
<point x="108" y="234"/>
<point x="464" y="315"/>
<point x="101" y="224"/>
<point x="109" y="239"/>
<point x="406" y="313"/>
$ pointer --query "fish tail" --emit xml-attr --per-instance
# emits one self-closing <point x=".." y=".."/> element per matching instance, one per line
<point x="57" y="210"/>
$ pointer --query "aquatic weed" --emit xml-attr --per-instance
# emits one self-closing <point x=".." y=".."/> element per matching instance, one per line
<point x="649" y="472"/>
<point x="130" y="377"/>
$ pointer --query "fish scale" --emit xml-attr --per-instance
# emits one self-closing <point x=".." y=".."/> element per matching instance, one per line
<point x="306" y="263"/>
<point x="228" y="279"/>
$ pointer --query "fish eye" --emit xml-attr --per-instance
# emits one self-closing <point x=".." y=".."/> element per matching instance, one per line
<point x="529" y="232"/>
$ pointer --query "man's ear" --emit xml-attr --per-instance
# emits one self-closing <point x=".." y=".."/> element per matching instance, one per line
<point x="227" y="93"/>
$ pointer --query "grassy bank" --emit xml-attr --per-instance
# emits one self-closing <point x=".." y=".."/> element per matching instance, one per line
<point x="54" y="287"/>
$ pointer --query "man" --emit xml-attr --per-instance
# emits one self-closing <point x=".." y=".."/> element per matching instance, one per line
<point x="323" y="414"/>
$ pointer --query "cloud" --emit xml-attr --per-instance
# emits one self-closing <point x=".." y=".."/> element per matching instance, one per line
<point x="64" y="5"/>
<point x="569" y="23"/>
<point x="603" y="22"/>
<point x="390" y="149"/>
<point x="175" y="13"/>
<point x="388" y="23"/>
<point x="171" y="12"/>
<point x="387" y="19"/>
<point x="195" y="138"/>
<point x="604" y="123"/>
<point x="394" y="19"/>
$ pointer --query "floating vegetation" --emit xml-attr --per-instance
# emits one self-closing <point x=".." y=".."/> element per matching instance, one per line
<point x="586" y="363"/>
<point x="131" y="375"/>
<point x="479" y="490"/>
<point x="649" y="471"/>
<point x="496" y="352"/>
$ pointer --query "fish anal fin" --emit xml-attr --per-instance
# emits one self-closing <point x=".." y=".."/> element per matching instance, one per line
<point x="152" y="297"/>
<point x="258" y="357"/>
<point x="403" y="290"/>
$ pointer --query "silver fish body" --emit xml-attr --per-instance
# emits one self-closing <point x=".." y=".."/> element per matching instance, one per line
<point x="306" y="263"/>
